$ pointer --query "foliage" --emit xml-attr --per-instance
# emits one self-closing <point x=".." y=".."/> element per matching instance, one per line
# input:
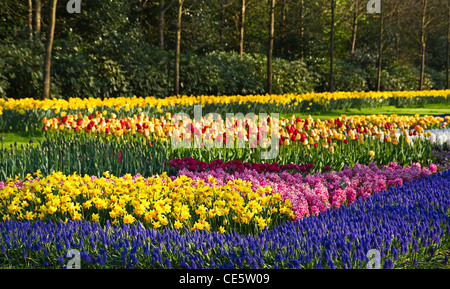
<point x="21" y="67"/>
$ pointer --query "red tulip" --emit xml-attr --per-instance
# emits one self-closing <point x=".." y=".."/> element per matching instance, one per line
<point x="302" y="137"/>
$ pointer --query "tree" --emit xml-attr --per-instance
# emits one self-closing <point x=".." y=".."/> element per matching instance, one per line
<point x="270" y="49"/>
<point x="30" y="18"/>
<point x="37" y="20"/>
<point x="162" y="9"/>
<point x="380" y="49"/>
<point x="178" y="47"/>
<point x="355" y="17"/>
<point x="423" y="26"/>
<point x="48" y="52"/>
<point x="421" y="17"/>
<point x="302" y="28"/>
<point x="448" y="48"/>
<point x="241" y="27"/>
<point x="333" y="7"/>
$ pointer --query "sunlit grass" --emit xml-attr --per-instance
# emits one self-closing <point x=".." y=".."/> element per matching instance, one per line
<point x="426" y="109"/>
<point x="11" y="139"/>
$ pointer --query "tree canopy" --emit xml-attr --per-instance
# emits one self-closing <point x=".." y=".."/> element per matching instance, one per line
<point x="125" y="48"/>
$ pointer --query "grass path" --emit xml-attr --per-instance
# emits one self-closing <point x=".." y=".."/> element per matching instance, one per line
<point x="20" y="138"/>
<point x="428" y="109"/>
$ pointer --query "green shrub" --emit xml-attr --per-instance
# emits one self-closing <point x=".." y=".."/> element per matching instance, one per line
<point x="21" y="68"/>
<point x="398" y="77"/>
<point x="346" y="76"/>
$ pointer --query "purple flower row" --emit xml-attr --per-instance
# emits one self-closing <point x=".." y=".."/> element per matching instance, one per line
<point x="200" y="166"/>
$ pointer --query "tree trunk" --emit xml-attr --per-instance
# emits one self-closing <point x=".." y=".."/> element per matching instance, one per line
<point x="241" y="28"/>
<point x="422" y="43"/>
<point x="302" y="30"/>
<point x="221" y="25"/>
<point x="354" y="25"/>
<point x="448" y="48"/>
<point x="37" y="20"/>
<point x="30" y="18"/>
<point x="397" y="37"/>
<point x="380" y="51"/>
<point x="48" y="52"/>
<point x="333" y="6"/>
<point x="161" y="21"/>
<point x="178" y="49"/>
<point x="270" y="50"/>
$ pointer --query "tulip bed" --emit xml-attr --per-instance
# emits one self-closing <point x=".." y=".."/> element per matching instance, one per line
<point x="131" y="183"/>
<point x="25" y="114"/>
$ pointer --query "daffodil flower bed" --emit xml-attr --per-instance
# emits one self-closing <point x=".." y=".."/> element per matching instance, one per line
<point x="404" y="224"/>
<point x="157" y="202"/>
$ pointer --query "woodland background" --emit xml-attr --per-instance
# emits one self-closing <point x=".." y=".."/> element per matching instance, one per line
<point x="220" y="47"/>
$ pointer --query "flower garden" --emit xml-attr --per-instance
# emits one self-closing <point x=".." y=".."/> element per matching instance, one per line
<point x="144" y="183"/>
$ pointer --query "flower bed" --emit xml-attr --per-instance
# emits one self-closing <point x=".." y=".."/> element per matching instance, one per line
<point x="119" y="189"/>
<point x="403" y="223"/>
<point x="158" y="202"/>
<point x="310" y="194"/>
<point x="22" y="114"/>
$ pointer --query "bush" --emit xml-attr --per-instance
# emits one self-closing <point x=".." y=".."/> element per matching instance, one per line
<point x="4" y="84"/>
<point x="247" y="74"/>
<point x="346" y="77"/>
<point x="21" y="68"/>
<point x="148" y="73"/>
<point x="398" y="77"/>
<point x="239" y="75"/>
<point x="292" y="77"/>
<point x="199" y="75"/>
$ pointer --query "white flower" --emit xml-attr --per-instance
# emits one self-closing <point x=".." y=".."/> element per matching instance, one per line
<point x="432" y="138"/>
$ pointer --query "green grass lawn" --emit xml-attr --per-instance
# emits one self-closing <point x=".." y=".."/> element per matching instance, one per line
<point x="427" y="109"/>
<point x="20" y="138"/>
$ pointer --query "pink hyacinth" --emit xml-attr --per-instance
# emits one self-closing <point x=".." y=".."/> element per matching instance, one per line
<point x="315" y="193"/>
